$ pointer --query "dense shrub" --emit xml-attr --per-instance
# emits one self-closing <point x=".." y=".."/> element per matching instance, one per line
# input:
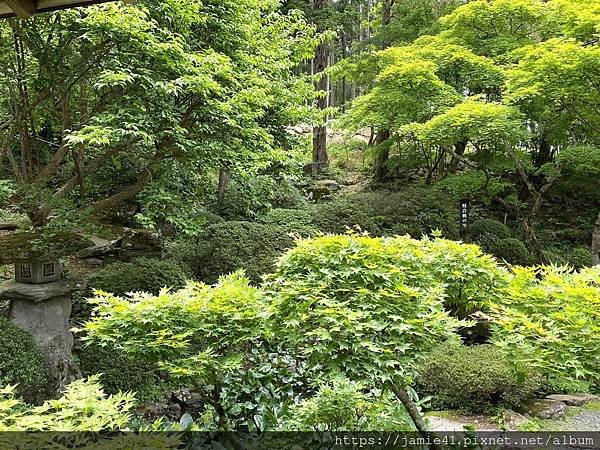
<point x="246" y="199"/>
<point x="141" y="275"/>
<point x="549" y="319"/>
<point x="122" y="373"/>
<point x="200" y="335"/>
<point x="298" y="221"/>
<point x="474" y="379"/>
<point x="415" y="211"/>
<point x="21" y="363"/>
<point x="226" y="247"/>
<point x="580" y="257"/>
<point x="486" y="232"/>
<point x="513" y="251"/>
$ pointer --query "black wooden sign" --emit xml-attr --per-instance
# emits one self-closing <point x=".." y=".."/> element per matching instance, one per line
<point x="465" y="211"/>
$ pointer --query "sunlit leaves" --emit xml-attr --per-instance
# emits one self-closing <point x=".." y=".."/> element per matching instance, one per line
<point x="370" y="307"/>
<point x="483" y="124"/>
<point x="549" y="319"/>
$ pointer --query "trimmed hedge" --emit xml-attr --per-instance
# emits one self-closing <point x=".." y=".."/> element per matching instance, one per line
<point x="474" y="379"/>
<point x="416" y="211"/>
<point x="140" y="275"/>
<point x="482" y="227"/>
<point x="226" y="247"/>
<point x="513" y="251"/>
<point x="122" y="373"/>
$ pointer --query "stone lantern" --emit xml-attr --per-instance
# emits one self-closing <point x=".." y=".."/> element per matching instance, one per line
<point x="39" y="300"/>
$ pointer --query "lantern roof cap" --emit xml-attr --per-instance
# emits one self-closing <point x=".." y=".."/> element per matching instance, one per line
<point x="31" y="246"/>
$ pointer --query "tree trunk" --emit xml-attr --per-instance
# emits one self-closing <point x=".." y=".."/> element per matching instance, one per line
<point x="544" y="154"/>
<point x="414" y="413"/>
<point x="596" y="243"/>
<point x="459" y="149"/>
<point x="224" y="178"/>
<point x="379" y="169"/>
<point x="321" y="61"/>
<point x="533" y="242"/>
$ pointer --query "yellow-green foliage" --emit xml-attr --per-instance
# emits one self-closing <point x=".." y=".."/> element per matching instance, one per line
<point x="549" y="319"/>
<point x="371" y="307"/>
<point x="83" y="407"/>
<point x="197" y="332"/>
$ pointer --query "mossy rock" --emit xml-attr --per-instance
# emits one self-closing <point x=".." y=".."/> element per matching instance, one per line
<point x="29" y="246"/>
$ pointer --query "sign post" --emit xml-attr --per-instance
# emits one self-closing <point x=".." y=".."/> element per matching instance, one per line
<point x="464" y="213"/>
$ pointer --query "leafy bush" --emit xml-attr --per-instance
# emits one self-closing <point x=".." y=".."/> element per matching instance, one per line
<point x="512" y="251"/>
<point x="360" y="305"/>
<point x="226" y="247"/>
<point x="549" y="319"/>
<point x="247" y="198"/>
<point x="474" y="379"/>
<point x="120" y="372"/>
<point x="345" y="406"/>
<point x="83" y="407"/>
<point x="141" y="275"/>
<point x="200" y="335"/>
<point x="21" y="362"/>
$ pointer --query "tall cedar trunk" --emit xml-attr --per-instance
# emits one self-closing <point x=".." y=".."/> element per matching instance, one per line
<point x="459" y="149"/>
<point x="544" y="154"/>
<point x="379" y="170"/>
<point x="414" y="413"/>
<point x="596" y="243"/>
<point x="321" y="61"/>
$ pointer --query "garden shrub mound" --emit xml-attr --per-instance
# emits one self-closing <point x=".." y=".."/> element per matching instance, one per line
<point x="344" y="405"/>
<point x="415" y="211"/>
<point x="140" y="275"/>
<point x="488" y="228"/>
<point x="120" y="372"/>
<point x="511" y="250"/>
<point x="549" y="319"/>
<point x="296" y="221"/>
<point x="474" y="379"/>
<point x="226" y="247"/>
<point x="21" y="363"/>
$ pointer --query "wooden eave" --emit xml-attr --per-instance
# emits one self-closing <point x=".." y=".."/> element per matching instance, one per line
<point x="25" y="9"/>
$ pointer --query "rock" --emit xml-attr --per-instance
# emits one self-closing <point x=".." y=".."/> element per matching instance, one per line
<point x="13" y="291"/>
<point x="186" y="398"/>
<point x="512" y="420"/>
<point x="322" y="188"/>
<point x="8" y="227"/>
<point x="28" y="246"/>
<point x="545" y="408"/>
<point x="101" y="247"/>
<point x="94" y="261"/>
<point x="140" y="243"/>
<point x="453" y="421"/>
<point x="46" y="316"/>
<point x="574" y="399"/>
<point x="173" y="411"/>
